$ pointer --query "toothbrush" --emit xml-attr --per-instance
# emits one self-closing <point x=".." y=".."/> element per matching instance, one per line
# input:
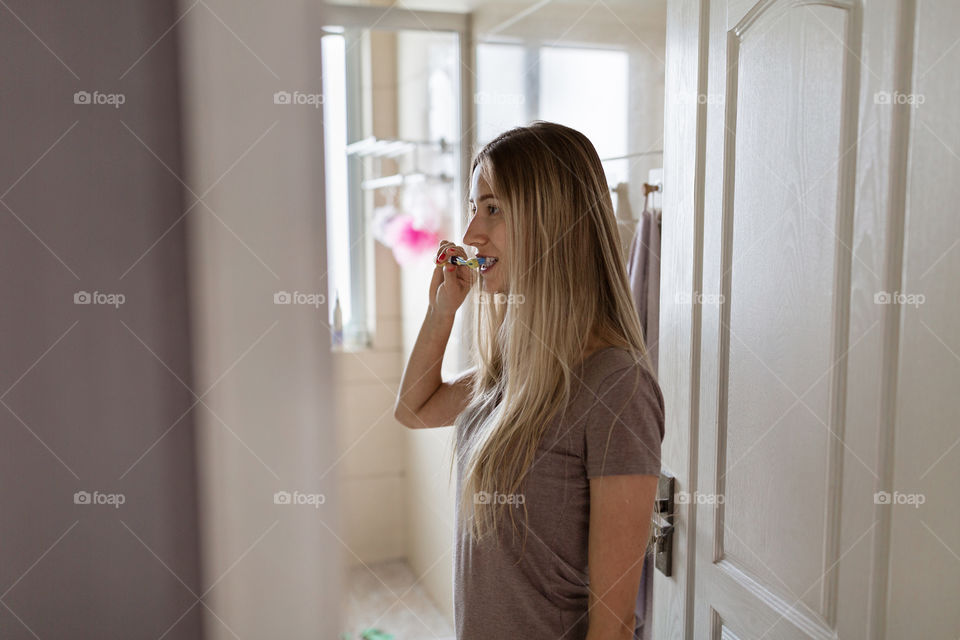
<point x="473" y="263"/>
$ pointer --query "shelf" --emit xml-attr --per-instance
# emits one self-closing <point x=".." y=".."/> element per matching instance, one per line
<point x="382" y="148"/>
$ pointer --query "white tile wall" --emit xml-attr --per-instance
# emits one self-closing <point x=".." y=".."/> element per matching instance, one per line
<point x="371" y="457"/>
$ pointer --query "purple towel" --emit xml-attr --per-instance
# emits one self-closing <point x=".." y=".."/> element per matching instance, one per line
<point x="643" y="271"/>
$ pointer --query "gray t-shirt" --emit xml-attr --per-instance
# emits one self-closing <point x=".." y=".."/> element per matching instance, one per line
<point x="543" y="594"/>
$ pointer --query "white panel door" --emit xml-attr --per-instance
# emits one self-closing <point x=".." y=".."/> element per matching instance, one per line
<point x="794" y="358"/>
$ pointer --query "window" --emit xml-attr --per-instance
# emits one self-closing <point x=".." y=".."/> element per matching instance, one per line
<point x="339" y="275"/>
<point x="392" y="157"/>
<point x="587" y="89"/>
<point x="501" y="97"/>
<point x="583" y="88"/>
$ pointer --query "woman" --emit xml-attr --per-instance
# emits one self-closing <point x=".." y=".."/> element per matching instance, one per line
<point x="559" y="425"/>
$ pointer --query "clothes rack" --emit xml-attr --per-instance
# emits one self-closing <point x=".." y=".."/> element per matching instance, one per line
<point x="647" y="190"/>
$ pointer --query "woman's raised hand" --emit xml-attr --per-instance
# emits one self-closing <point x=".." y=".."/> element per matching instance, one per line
<point x="450" y="283"/>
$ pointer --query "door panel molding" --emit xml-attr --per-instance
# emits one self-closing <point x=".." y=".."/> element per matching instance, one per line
<point x="874" y="395"/>
<point x="757" y="21"/>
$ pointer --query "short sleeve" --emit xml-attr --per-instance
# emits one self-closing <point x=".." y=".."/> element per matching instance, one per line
<point x="624" y="428"/>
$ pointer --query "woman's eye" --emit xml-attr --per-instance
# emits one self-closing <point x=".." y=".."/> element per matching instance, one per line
<point x="491" y="210"/>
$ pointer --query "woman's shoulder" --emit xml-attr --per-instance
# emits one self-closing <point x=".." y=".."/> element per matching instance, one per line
<point x="613" y="381"/>
<point x="603" y="362"/>
<point x="612" y="367"/>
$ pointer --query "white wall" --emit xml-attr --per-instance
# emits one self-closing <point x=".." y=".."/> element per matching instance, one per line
<point x="268" y="425"/>
<point x="372" y="463"/>
<point x="429" y="488"/>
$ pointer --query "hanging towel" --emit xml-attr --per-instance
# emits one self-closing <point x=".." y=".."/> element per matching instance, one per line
<point x="626" y="223"/>
<point x="652" y="326"/>
<point x="643" y="272"/>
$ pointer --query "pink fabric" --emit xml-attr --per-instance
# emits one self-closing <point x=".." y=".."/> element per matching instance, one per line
<point x="399" y="231"/>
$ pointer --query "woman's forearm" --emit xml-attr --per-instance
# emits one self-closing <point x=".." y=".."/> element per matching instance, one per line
<point x="609" y="628"/>
<point x="421" y="377"/>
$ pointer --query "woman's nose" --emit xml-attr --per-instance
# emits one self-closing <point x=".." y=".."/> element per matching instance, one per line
<point x="473" y="234"/>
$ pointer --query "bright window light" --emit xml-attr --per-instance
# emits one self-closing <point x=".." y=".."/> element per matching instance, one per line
<point x="335" y="141"/>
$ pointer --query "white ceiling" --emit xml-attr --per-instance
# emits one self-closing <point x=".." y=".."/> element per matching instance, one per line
<point x="617" y="22"/>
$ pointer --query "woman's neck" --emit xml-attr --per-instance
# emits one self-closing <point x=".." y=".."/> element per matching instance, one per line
<point x="594" y="343"/>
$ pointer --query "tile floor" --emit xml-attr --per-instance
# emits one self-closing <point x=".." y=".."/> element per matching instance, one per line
<point x="385" y="596"/>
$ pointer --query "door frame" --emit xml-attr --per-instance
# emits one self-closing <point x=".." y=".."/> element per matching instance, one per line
<point x="684" y="160"/>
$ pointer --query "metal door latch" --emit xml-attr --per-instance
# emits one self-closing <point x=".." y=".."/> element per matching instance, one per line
<point x="663" y="525"/>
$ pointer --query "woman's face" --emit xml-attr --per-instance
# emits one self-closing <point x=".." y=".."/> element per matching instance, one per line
<point x="487" y="232"/>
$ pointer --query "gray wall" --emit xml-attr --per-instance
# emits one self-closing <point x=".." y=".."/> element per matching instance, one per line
<point x="95" y="398"/>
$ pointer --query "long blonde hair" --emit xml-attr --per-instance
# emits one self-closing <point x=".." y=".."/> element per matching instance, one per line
<point x="566" y="276"/>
